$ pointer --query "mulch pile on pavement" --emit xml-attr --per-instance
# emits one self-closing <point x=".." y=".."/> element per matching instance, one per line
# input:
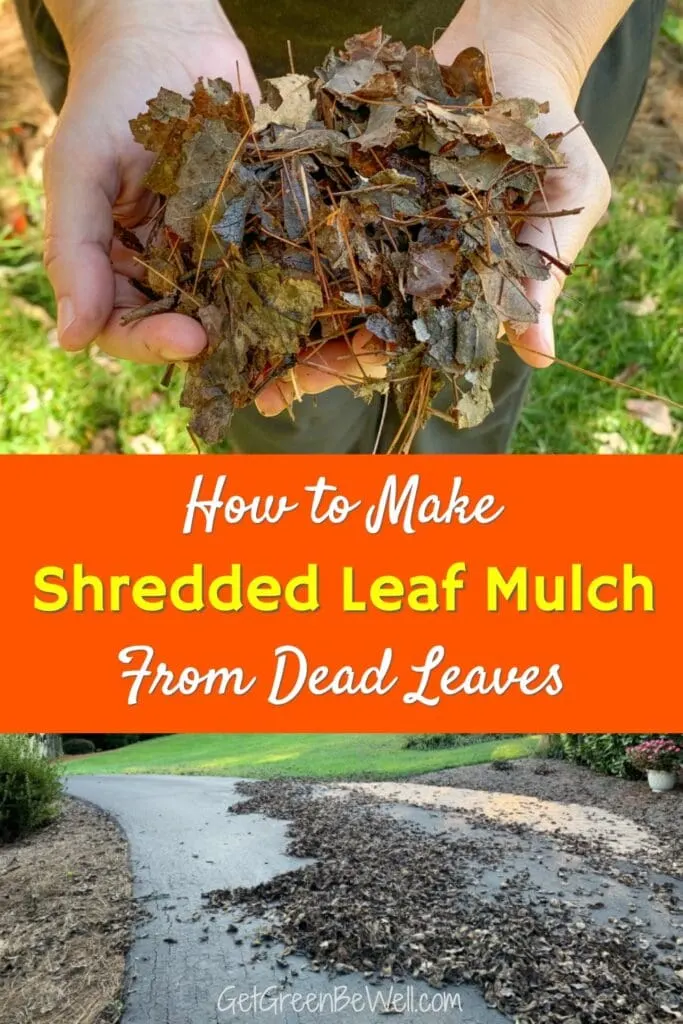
<point x="568" y="783"/>
<point x="66" y="910"/>
<point x="391" y="900"/>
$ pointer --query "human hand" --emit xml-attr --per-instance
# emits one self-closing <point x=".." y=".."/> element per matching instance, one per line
<point x="94" y="169"/>
<point x="343" y="361"/>
<point x="522" y="67"/>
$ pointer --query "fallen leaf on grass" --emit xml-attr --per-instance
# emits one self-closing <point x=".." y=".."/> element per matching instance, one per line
<point x="611" y="444"/>
<point x="53" y="429"/>
<point x="106" y="362"/>
<point x="105" y="442"/>
<point x="630" y="371"/>
<point x="654" y="414"/>
<point x="643" y="307"/>
<point x="32" y="312"/>
<point x="145" y="445"/>
<point x="32" y="403"/>
<point x="146" y="403"/>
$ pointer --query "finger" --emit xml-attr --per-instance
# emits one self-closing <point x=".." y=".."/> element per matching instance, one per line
<point x="371" y="349"/>
<point x="162" y="338"/>
<point x="80" y="190"/>
<point x="339" y="362"/>
<point x="583" y="184"/>
<point x="277" y="396"/>
<point x="333" y="364"/>
<point x="126" y="261"/>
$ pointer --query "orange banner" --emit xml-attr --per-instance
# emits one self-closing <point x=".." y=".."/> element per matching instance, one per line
<point x="337" y="594"/>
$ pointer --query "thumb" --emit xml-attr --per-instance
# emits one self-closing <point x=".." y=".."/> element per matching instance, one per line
<point x="80" y="189"/>
<point x="583" y="184"/>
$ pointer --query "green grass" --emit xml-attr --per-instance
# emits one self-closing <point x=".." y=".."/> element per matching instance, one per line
<point x="672" y="27"/>
<point x="51" y="401"/>
<point x="637" y="253"/>
<point x="300" y="755"/>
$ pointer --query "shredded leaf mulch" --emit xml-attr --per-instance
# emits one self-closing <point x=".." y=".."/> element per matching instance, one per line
<point x="384" y="192"/>
<point x="67" y="914"/>
<point x="565" y="782"/>
<point x="393" y="901"/>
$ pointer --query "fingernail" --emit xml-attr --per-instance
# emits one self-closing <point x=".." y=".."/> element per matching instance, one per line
<point x="65" y="316"/>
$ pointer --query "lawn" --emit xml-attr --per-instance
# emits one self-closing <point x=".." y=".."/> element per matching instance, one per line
<point x="620" y="317"/>
<point x="303" y="755"/>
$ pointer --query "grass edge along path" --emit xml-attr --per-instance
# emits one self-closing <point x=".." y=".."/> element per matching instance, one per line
<point x="302" y="755"/>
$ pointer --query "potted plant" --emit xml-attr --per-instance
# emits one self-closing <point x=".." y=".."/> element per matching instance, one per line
<point x="660" y="759"/>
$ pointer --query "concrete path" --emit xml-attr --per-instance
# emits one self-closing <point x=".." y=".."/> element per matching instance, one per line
<point x="185" y="966"/>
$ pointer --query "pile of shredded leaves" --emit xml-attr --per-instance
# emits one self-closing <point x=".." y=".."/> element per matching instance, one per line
<point x="385" y="192"/>
<point x="390" y="900"/>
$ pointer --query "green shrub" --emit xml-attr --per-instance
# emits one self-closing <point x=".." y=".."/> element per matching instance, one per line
<point x="605" y="753"/>
<point x="79" y="746"/>
<point x="30" y="788"/>
<point x="551" y="746"/>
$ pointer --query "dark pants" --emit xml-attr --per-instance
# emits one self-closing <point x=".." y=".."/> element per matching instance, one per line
<point x="336" y="422"/>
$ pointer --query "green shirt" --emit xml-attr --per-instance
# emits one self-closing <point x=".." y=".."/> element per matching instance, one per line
<point x="314" y="27"/>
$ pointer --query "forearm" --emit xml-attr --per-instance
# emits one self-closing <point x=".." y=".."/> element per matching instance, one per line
<point x="568" y="34"/>
<point x="81" y="21"/>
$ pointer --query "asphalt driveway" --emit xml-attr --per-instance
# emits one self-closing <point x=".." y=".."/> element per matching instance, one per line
<point x="186" y="966"/>
<point x="190" y="964"/>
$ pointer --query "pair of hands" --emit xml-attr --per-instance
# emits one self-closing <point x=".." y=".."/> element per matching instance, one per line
<point x="94" y="172"/>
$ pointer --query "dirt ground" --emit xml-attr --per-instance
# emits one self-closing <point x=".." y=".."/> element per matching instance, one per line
<point x="66" y="911"/>
<point x="567" y="783"/>
<point x="654" y="147"/>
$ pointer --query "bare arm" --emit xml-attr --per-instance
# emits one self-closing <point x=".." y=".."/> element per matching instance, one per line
<point x="84" y="24"/>
<point x="544" y="49"/>
<point x="567" y="34"/>
<point x="121" y="52"/>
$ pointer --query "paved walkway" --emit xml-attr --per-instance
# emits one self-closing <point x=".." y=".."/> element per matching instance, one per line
<point x="188" y="966"/>
<point x="183" y="843"/>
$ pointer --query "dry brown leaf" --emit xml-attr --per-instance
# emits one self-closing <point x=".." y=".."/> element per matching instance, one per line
<point x="653" y="414"/>
<point x="287" y="102"/>
<point x="142" y="444"/>
<point x="105" y="442"/>
<point x="611" y="443"/>
<point x="630" y="371"/>
<point x="33" y="312"/>
<point x="642" y="307"/>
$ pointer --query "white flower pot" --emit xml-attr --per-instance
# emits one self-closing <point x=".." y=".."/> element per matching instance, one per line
<point x="661" y="782"/>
